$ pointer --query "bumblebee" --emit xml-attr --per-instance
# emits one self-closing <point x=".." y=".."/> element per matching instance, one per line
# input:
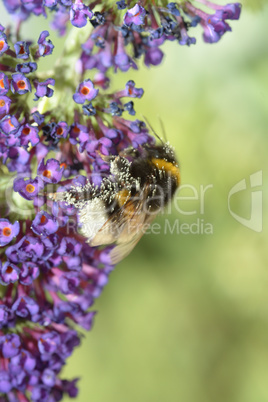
<point x="141" y="183"/>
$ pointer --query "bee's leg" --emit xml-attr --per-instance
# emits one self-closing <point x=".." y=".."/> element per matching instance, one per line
<point x="106" y="158"/>
<point x="129" y="151"/>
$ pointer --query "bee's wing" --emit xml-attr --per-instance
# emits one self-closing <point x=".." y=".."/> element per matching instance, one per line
<point x="125" y="227"/>
<point x="122" y="224"/>
<point x="125" y="246"/>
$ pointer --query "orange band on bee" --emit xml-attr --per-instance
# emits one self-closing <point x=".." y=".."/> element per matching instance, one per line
<point x="122" y="197"/>
<point x="168" y="167"/>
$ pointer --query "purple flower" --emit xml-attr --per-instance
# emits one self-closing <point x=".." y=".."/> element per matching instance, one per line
<point x="29" y="188"/>
<point x="25" y="306"/>
<point x="89" y="109"/>
<point x="129" y="108"/>
<point x="29" y="272"/>
<point x="5" y="382"/>
<point x="26" y="68"/>
<point x="214" y="29"/>
<point x="3" y="43"/>
<point x="20" y="84"/>
<point x="50" y="3"/>
<point x="28" y="248"/>
<point x="44" y="224"/>
<point x="230" y="11"/>
<point x="69" y="247"/>
<point x="51" y="172"/>
<point x="4" y="84"/>
<point x="153" y="56"/>
<point x="42" y="88"/>
<point x="9" y="125"/>
<point x="121" y="5"/>
<point x="8" y="231"/>
<point x="9" y="273"/>
<point x="19" y="159"/>
<point x="22" y="50"/>
<point x="135" y="15"/>
<point x="28" y="134"/>
<point x="10" y="345"/>
<point x="38" y="118"/>
<point x="4" y="105"/>
<point x="173" y="9"/>
<point x="61" y="18"/>
<point x="79" y="14"/>
<point x="4" y="315"/>
<point x="131" y="91"/>
<point x="85" y="91"/>
<point x="49" y="377"/>
<point x="184" y="38"/>
<point x="69" y="283"/>
<point x="23" y="361"/>
<point x="48" y="344"/>
<point x="62" y="129"/>
<point x="45" y="46"/>
<point x="122" y="59"/>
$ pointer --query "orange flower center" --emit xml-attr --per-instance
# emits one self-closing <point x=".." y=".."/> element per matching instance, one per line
<point x="76" y="130"/>
<point x="9" y="122"/>
<point x="47" y="173"/>
<point x="59" y="130"/>
<point x="6" y="232"/>
<point x="9" y="269"/>
<point x="2" y="44"/>
<point x="21" y="49"/>
<point x="2" y="83"/>
<point x="26" y="131"/>
<point x="30" y="188"/>
<point x="63" y="165"/>
<point x="43" y="219"/>
<point x="85" y="90"/>
<point x="21" y="84"/>
<point x="2" y="103"/>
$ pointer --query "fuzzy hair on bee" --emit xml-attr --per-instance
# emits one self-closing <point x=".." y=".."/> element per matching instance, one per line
<point x="141" y="183"/>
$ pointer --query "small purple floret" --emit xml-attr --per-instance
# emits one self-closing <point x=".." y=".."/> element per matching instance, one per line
<point x="3" y="43"/>
<point x="8" y="231"/>
<point x="11" y="345"/>
<point x="25" y="306"/>
<point x="29" y="188"/>
<point x="85" y="91"/>
<point x="26" y="68"/>
<point x="4" y="84"/>
<point x="42" y="88"/>
<point x="51" y="172"/>
<point x="79" y="13"/>
<point x="135" y="15"/>
<point x="22" y="50"/>
<point x="4" y="105"/>
<point x="45" y="46"/>
<point x="44" y="224"/>
<point x="20" y="84"/>
<point x="9" y="273"/>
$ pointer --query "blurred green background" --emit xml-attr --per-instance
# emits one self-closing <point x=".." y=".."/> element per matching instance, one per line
<point x="185" y="316"/>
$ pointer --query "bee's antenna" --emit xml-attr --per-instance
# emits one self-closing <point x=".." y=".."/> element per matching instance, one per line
<point x="163" y="129"/>
<point x="151" y="128"/>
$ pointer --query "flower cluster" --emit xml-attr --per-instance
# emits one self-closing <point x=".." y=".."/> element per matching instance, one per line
<point x="49" y="275"/>
<point x="120" y="37"/>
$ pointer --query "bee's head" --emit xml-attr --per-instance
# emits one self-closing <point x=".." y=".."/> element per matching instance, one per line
<point x="163" y="151"/>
